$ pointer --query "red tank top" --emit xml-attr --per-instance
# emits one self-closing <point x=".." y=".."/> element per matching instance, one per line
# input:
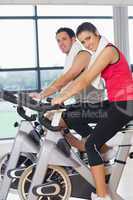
<point x="118" y="79"/>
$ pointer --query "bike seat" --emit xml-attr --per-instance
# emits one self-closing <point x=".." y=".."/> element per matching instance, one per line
<point x="128" y="126"/>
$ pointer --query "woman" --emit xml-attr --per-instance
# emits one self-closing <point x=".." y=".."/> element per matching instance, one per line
<point x="114" y="68"/>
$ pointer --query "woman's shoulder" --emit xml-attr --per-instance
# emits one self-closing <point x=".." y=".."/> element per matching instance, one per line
<point x="114" y="51"/>
<point x="112" y="46"/>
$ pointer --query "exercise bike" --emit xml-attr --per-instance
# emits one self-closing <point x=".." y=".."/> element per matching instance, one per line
<point x="26" y="144"/>
<point x="14" y="168"/>
<point x="25" y="159"/>
<point x="58" y="168"/>
<point x="59" y="173"/>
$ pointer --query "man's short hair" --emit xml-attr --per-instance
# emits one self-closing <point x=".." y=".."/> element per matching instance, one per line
<point x="69" y="31"/>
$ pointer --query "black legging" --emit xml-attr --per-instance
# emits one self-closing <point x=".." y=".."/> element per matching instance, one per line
<point x="114" y="118"/>
<point x="118" y="115"/>
<point x="78" y="118"/>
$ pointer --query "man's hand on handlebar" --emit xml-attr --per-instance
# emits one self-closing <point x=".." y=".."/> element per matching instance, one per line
<point x="36" y="95"/>
<point x="55" y="101"/>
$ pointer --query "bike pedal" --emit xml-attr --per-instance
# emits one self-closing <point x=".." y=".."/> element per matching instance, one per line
<point x="15" y="173"/>
<point x="48" y="189"/>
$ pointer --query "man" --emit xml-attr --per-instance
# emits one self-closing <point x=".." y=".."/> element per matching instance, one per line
<point x="77" y="60"/>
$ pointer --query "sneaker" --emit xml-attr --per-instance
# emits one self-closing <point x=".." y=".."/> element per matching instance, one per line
<point x="110" y="154"/>
<point x="95" y="197"/>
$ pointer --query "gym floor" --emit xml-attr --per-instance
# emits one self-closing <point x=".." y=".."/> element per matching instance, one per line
<point x="15" y="197"/>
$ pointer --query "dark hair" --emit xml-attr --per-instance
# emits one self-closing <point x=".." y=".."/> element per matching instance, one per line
<point x="86" y="26"/>
<point x="69" y="31"/>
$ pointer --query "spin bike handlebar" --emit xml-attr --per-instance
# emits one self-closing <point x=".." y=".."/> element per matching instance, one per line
<point x="24" y="100"/>
<point x="20" y="101"/>
<point x="46" y="122"/>
<point x="7" y="96"/>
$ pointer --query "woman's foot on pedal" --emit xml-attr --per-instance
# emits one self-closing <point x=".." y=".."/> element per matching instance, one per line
<point x="110" y="154"/>
<point x="95" y="197"/>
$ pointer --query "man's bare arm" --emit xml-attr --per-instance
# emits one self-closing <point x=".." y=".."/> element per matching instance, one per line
<point x="80" y="62"/>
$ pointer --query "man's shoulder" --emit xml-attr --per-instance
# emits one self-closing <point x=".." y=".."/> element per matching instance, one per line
<point x="78" y="48"/>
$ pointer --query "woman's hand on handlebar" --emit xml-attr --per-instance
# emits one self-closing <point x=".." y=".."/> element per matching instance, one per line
<point x="57" y="100"/>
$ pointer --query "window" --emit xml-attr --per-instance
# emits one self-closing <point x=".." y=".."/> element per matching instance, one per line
<point x="18" y="80"/>
<point x="74" y="10"/>
<point x="30" y="56"/>
<point x="17" y="44"/>
<point x="16" y="10"/>
<point x="130" y="10"/>
<point x="48" y="76"/>
<point x="8" y="117"/>
<point x="50" y="20"/>
<point x="49" y="53"/>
